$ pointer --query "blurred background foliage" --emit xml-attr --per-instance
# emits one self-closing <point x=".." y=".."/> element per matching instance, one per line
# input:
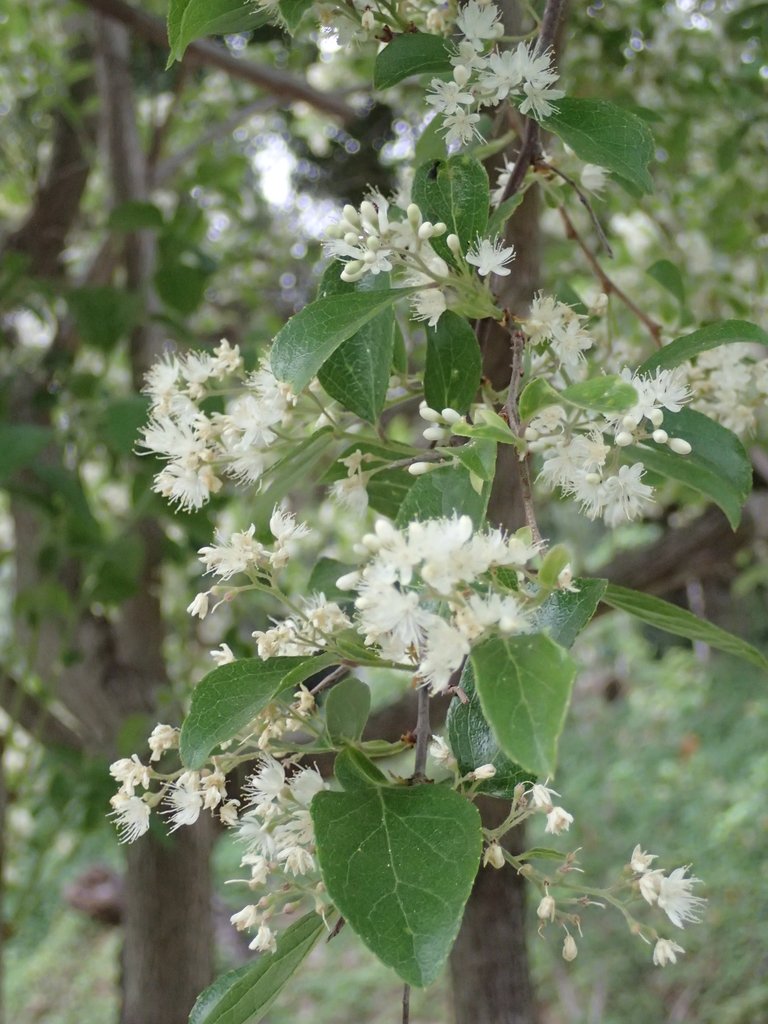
<point x="665" y="746"/>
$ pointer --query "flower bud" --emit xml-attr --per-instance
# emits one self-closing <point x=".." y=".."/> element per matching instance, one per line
<point x="485" y="771"/>
<point x="368" y="21"/>
<point x="623" y="438"/>
<point x="454" y="244"/>
<point x="660" y="436"/>
<point x="494" y="855"/>
<point x="451" y="416"/>
<point x="413" y="213"/>
<point x="546" y="909"/>
<point x="436" y="434"/>
<point x="430" y="415"/>
<point x="420" y="468"/>
<point x="461" y="75"/>
<point x="570" y="949"/>
<point x="679" y="446"/>
<point x="656" y="416"/>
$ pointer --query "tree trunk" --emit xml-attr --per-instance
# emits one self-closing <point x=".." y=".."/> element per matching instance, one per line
<point x="167" y="925"/>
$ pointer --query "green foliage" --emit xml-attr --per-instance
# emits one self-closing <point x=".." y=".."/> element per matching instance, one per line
<point x="724" y="332"/>
<point x="669" y="277"/>
<point x="192" y="19"/>
<point x="412" y="53"/>
<point x="604" y="134"/>
<point x="409" y="851"/>
<point x="103" y="315"/>
<point x="441" y="493"/>
<point x="453" y="366"/>
<point x="680" y="622"/>
<point x="244" y="995"/>
<point x="230" y="697"/>
<point x="20" y="444"/>
<point x="454" y="191"/>
<point x="524" y="684"/>
<point x="310" y="337"/>
<point x="610" y="394"/>
<point x="718" y="467"/>
<point x="474" y="744"/>
<point x="347" y="707"/>
<point x="566" y="612"/>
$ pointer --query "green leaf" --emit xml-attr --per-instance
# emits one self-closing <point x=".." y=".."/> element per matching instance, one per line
<point x="399" y="862"/>
<point x="669" y="277"/>
<point x="192" y="19"/>
<point x="226" y="700"/>
<point x="412" y="53"/>
<point x="501" y="214"/>
<point x="121" y="421"/>
<point x="718" y="467"/>
<point x="444" y="492"/>
<point x="292" y="11"/>
<point x="244" y="995"/>
<point x="724" y="332"/>
<point x="355" y="771"/>
<point x="565" y="613"/>
<point x="456" y="192"/>
<point x="431" y="144"/>
<point x="537" y="394"/>
<point x="555" y="560"/>
<point x="20" y="444"/>
<point x="490" y="427"/>
<point x="473" y="743"/>
<point x="322" y="579"/>
<point x="602" y="133"/>
<point x="357" y="373"/>
<point x="453" y="366"/>
<point x="610" y="393"/>
<point x="479" y="457"/>
<point x="313" y="335"/>
<point x="347" y="707"/>
<point x="524" y="684"/>
<point x="103" y="315"/>
<point x="671" y="619"/>
<point x="134" y="216"/>
<point x="181" y="287"/>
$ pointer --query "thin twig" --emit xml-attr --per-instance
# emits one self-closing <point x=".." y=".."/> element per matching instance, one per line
<point x="423" y="734"/>
<point x="585" y="202"/>
<point x="513" y="415"/>
<point x="406" y="1004"/>
<point x="333" y="677"/>
<point x="609" y="286"/>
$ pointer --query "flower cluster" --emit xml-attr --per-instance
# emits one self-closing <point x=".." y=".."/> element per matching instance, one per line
<point x="482" y="79"/>
<point x="243" y="554"/>
<point x="378" y="239"/>
<point x="423" y="595"/>
<point x="276" y="830"/>
<point x="200" y="447"/>
<point x="730" y="384"/>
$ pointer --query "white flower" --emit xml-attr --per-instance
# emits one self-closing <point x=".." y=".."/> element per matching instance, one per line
<point x="429" y="304"/>
<point x="185" y="800"/>
<point x="485" y="771"/>
<point x="265" y="941"/>
<point x="593" y="177"/>
<point x="131" y="816"/>
<point x="494" y="855"/>
<point x="649" y="884"/>
<point x="478" y="22"/>
<point x="199" y="606"/>
<point x="640" y="861"/>
<point x="162" y="738"/>
<point x="558" y="820"/>
<point x="445" y="649"/>
<point x="625" y="496"/>
<point x="442" y="753"/>
<point x="240" y="554"/>
<point x="297" y="860"/>
<point x="246" y="918"/>
<point x="490" y="257"/>
<point x="539" y="100"/>
<point x="540" y="796"/>
<point x="461" y="126"/>
<point x="267" y="783"/>
<point x="223" y="655"/>
<point x="504" y="75"/>
<point x="570" y="949"/>
<point x="130" y="773"/>
<point x="665" y="952"/>
<point x="676" y="900"/>
<point x="447" y="97"/>
<point x="305" y="785"/>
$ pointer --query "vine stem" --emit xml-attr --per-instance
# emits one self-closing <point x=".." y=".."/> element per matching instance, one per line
<point x="608" y="284"/>
<point x="406" y="1004"/>
<point x="510" y="406"/>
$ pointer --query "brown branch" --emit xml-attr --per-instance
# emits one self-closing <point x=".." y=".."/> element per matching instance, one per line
<point x="585" y="202"/>
<point x="608" y="285"/>
<point x="205" y="52"/>
<point x="423" y="733"/>
<point x="33" y="717"/>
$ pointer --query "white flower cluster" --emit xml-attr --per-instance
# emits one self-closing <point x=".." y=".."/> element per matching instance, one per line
<point x="279" y="838"/>
<point x="730" y="384"/>
<point x="370" y="241"/>
<point x="200" y="447"/>
<point x="581" y="451"/>
<point x="304" y="635"/>
<point x="484" y="79"/>
<point x="417" y="599"/>
<point x="242" y="553"/>
<point x="670" y="893"/>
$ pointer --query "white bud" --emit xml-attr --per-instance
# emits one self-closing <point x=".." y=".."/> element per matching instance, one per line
<point x="413" y="213"/>
<point x="451" y="416"/>
<point x="351" y="215"/>
<point x="440" y="228"/>
<point x="420" y="468"/>
<point x="461" y="75"/>
<point x="623" y="438"/>
<point x="454" y="244"/>
<point x="656" y="416"/>
<point x="564" y="577"/>
<point x="430" y="415"/>
<point x="426" y="231"/>
<point x="630" y="422"/>
<point x="679" y="446"/>
<point x="531" y="434"/>
<point x="436" y="434"/>
<point x="570" y="949"/>
<point x="349" y="581"/>
<point x="368" y="21"/>
<point x="660" y="436"/>
<point x="494" y="855"/>
<point x="546" y="909"/>
<point x="593" y="478"/>
<point x="368" y="213"/>
<point x="485" y="771"/>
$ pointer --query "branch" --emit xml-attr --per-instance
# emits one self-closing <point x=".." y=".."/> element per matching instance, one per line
<point x="205" y="52"/>
<point x="32" y="715"/>
<point x="608" y="285"/>
<point x="423" y="733"/>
